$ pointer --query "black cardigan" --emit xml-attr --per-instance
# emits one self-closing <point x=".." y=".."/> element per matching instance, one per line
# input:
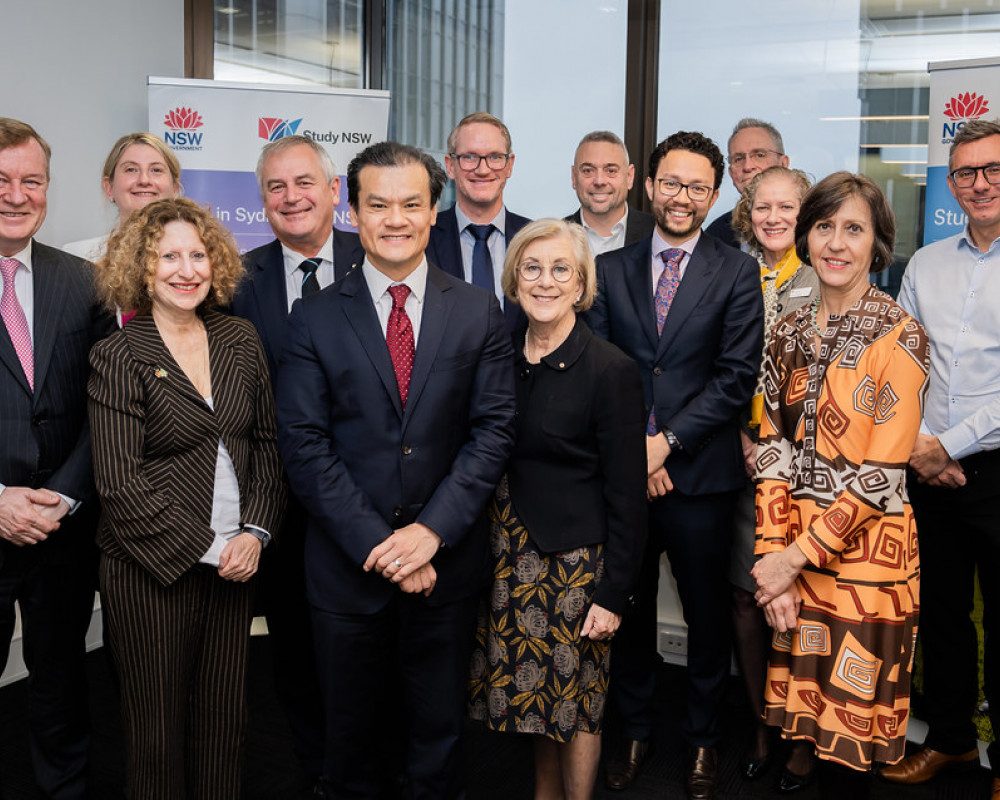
<point x="577" y="475"/>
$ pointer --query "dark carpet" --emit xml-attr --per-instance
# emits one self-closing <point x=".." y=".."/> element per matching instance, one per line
<point x="499" y="765"/>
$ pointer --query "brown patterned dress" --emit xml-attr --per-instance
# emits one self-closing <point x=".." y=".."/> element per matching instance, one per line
<point x="838" y="428"/>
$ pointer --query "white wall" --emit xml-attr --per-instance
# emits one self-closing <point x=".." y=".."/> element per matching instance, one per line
<point x="76" y="71"/>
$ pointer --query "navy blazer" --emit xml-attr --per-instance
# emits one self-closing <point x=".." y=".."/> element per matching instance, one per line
<point x="722" y="229"/>
<point x="263" y="299"/>
<point x="639" y="224"/>
<point x="363" y="467"/>
<point x="45" y="436"/>
<point x="702" y="370"/>
<point x="445" y="250"/>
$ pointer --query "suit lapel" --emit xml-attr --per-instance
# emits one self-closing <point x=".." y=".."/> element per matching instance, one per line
<point x="360" y="311"/>
<point x="433" y="322"/>
<point x="10" y="360"/>
<point x="147" y="346"/>
<point x="639" y="279"/>
<point x="697" y="278"/>
<point x="49" y="301"/>
<point x="271" y="296"/>
<point x="221" y="362"/>
<point x="451" y="241"/>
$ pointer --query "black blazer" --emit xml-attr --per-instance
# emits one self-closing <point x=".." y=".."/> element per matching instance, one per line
<point x="702" y="370"/>
<point x="263" y="299"/>
<point x="444" y="250"/>
<point x="639" y="225"/>
<point x="362" y="467"/>
<point x="44" y="435"/>
<point x="577" y="475"/>
<point x="156" y="443"/>
<point x="722" y="229"/>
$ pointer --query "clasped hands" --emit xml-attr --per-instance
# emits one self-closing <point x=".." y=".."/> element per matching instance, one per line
<point x="405" y="558"/>
<point x="775" y="574"/>
<point x="28" y="516"/>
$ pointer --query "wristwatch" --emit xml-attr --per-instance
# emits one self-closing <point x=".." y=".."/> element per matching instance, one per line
<point x="259" y="533"/>
<point x="672" y="440"/>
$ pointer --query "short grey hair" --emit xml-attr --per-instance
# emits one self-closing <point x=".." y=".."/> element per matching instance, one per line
<point x="751" y="122"/>
<point x="269" y="149"/>
<point x="608" y="138"/>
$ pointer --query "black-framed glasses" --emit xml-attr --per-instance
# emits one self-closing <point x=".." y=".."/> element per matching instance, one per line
<point x="668" y="187"/>
<point x="965" y="177"/>
<point x="530" y="271"/>
<point x="471" y="161"/>
<point x="757" y="157"/>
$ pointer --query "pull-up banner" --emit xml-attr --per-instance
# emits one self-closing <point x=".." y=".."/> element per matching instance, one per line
<point x="217" y="130"/>
<point x="960" y="91"/>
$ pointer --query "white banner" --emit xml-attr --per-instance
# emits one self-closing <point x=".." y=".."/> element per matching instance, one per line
<point x="217" y="130"/>
<point x="960" y="91"/>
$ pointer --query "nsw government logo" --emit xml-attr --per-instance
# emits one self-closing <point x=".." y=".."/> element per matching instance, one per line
<point x="960" y="109"/>
<point x="183" y="124"/>
<point x="274" y="128"/>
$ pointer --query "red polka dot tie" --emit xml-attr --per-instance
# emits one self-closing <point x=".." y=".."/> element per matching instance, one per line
<point x="14" y="319"/>
<point x="399" y="338"/>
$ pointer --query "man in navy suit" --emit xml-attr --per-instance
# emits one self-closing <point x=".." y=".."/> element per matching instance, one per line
<point x="689" y="310"/>
<point x="602" y="177"/>
<point x="300" y="188"/>
<point x="470" y="239"/>
<point x="48" y="558"/>
<point x="395" y="415"/>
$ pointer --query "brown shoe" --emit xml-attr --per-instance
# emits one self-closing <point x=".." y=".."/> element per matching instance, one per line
<point x="925" y="764"/>
<point x="701" y="773"/>
<point x="996" y="789"/>
<point x="622" y="770"/>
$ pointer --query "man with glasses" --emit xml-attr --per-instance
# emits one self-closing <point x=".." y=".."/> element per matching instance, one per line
<point x="470" y="239"/>
<point x="953" y="288"/>
<point x="602" y="177"/>
<point x="753" y="146"/>
<point x="689" y="310"/>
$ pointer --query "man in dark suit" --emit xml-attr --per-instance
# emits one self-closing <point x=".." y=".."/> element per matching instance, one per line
<point x="689" y="310"/>
<point x="470" y="239"/>
<point x="602" y="177"/>
<point x="395" y="412"/>
<point x="47" y="505"/>
<point x="300" y="188"/>
<point x="754" y="145"/>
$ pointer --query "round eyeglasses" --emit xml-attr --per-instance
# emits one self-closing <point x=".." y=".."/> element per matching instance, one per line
<point x="530" y="271"/>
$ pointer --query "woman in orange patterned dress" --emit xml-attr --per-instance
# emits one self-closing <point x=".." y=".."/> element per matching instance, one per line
<point x="839" y="573"/>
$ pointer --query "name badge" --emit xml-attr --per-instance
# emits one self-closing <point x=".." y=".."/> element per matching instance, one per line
<point x="802" y="291"/>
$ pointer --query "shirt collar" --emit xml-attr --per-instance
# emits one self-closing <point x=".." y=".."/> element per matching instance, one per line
<point x="379" y="283"/>
<point x="566" y="354"/>
<point x="617" y="228"/>
<point x="660" y="244"/>
<point x="24" y="256"/>
<point x="293" y="259"/>
<point x="464" y="222"/>
<point x="965" y="237"/>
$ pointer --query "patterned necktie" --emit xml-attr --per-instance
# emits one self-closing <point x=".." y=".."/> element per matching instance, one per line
<point x="310" y="285"/>
<point x="482" y="262"/>
<point x="16" y="322"/>
<point x="666" y="287"/>
<point x="399" y="338"/>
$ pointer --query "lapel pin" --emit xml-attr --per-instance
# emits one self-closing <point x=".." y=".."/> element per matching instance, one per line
<point x="160" y="373"/>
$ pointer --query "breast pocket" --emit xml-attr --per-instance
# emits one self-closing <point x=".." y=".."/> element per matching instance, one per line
<point x="459" y="361"/>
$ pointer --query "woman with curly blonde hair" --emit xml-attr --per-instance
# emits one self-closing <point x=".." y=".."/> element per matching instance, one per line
<point x="187" y="469"/>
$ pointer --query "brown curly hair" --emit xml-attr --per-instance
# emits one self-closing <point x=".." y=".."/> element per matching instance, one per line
<point x="125" y="274"/>
<point x="742" y="223"/>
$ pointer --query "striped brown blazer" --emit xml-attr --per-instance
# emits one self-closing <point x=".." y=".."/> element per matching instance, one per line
<point x="155" y="443"/>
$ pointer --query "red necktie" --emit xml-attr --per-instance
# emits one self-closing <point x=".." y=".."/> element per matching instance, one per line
<point x="16" y="322"/>
<point x="399" y="338"/>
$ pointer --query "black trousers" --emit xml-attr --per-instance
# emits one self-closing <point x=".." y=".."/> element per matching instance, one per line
<point x="56" y="596"/>
<point x="181" y="653"/>
<point x="696" y="533"/>
<point x="959" y="533"/>
<point x="394" y="689"/>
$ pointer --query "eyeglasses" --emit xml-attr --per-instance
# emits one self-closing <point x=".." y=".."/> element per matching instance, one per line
<point x="757" y="157"/>
<point x="471" y="161"/>
<point x="668" y="187"/>
<point x="965" y="177"/>
<point x="530" y="271"/>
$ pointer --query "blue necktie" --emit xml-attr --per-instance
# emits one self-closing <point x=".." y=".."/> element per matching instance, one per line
<point x="482" y="262"/>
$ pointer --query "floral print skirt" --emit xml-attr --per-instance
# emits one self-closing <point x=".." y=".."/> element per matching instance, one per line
<point x="531" y="670"/>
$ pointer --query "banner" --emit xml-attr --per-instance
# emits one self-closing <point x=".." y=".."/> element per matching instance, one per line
<point x="217" y="130"/>
<point x="960" y="91"/>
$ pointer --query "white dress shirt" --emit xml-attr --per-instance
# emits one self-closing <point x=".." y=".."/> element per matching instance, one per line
<point x="656" y="261"/>
<point x="378" y="287"/>
<point x="294" y="276"/>
<point x="497" y="244"/>
<point x="602" y="244"/>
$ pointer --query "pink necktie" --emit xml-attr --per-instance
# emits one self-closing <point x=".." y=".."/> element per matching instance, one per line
<point x="14" y="319"/>
<point x="399" y="338"/>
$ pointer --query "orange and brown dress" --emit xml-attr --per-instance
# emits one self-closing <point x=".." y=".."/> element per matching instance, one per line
<point x="841" y="415"/>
